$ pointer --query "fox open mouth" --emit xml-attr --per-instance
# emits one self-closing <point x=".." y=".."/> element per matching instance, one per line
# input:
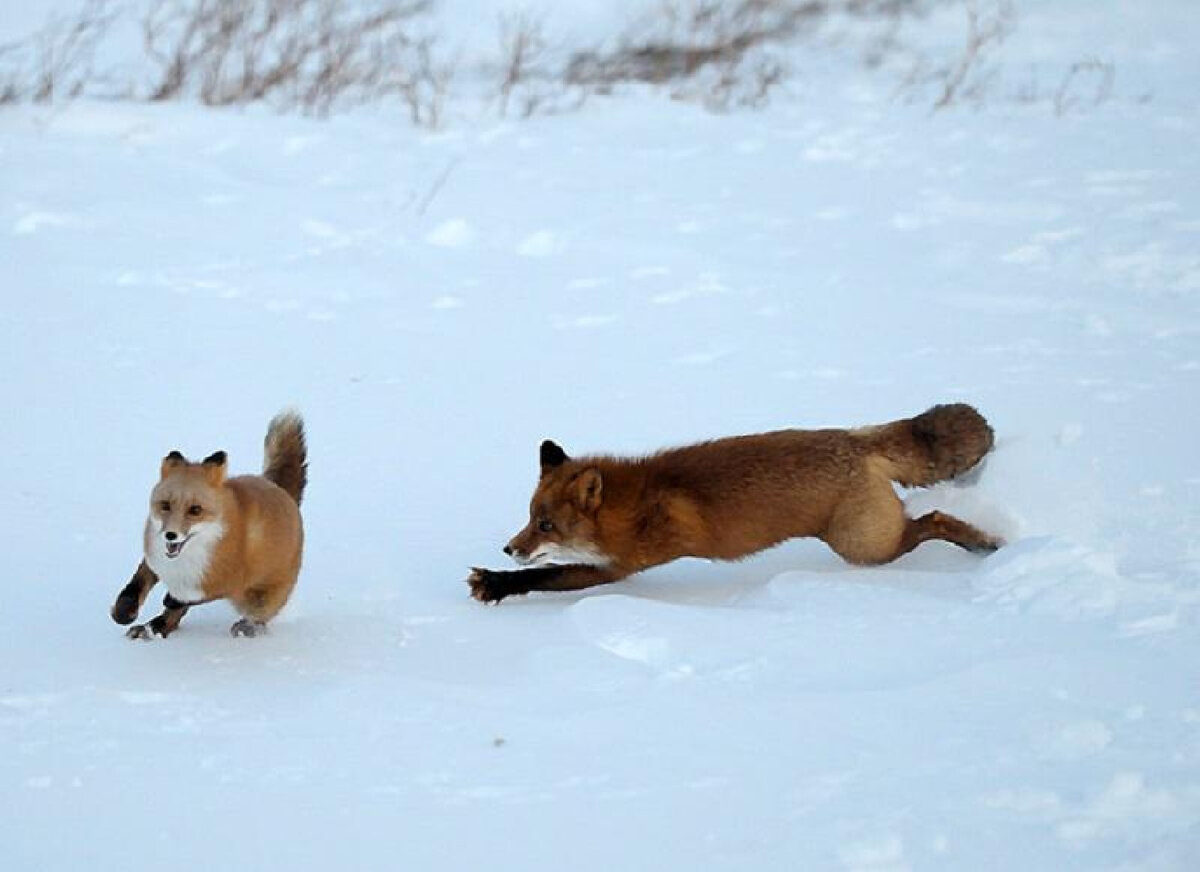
<point x="173" y="548"/>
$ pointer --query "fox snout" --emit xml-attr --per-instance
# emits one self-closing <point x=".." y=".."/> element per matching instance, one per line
<point x="520" y="547"/>
<point x="174" y="542"/>
<point x="515" y="552"/>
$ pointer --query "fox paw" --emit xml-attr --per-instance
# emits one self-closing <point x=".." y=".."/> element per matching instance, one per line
<point x="488" y="586"/>
<point x="144" y="632"/>
<point x="248" y="628"/>
<point x="987" y="546"/>
<point x="125" y="610"/>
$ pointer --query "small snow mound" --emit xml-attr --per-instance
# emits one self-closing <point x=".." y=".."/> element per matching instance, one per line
<point x="1126" y="803"/>
<point x="135" y="697"/>
<point x="875" y="855"/>
<point x="583" y="322"/>
<point x="624" y="627"/>
<point x="649" y="272"/>
<point x="1151" y="625"/>
<point x="454" y="233"/>
<point x="1025" y="254"/>
<point x="631" y="646"/>
<point x="32" y="222"/>
<point x="294" y="145"/>
<point x="677" y="641"/>
<point x="541" y="244"/>
<point x="1049" y="576"/>
<point x="1069" y="434"/>
<point x="1025" y="800"/>
<point x="1077" y="740"/>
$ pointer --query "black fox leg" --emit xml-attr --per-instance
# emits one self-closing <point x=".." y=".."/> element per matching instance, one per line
<point x="129" y="600"/>
<point x="489" y="586"/>
<point x="163" y="625"/>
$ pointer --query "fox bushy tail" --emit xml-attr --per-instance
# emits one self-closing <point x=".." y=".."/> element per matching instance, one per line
<point x="285" y="454"/>
<point x="936" y="445"/>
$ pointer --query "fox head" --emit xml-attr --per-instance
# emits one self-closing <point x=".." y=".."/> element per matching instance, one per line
<point x="562" y="525"/>
<point x="185" y="505"/>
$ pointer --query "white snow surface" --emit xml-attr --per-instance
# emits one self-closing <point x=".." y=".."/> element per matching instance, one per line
<point x="631" y="276"/>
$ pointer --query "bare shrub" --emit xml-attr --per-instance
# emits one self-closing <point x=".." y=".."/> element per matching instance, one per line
<point x="1086" y="83"/>
<point x="523" y="50"/>
<point x="986" y="30"/>
<point x="711" y="51"/>
<point x="970" y="75"/>
<point x="12" y="77"/>
<point x="57" y="61"/>
<point x="529" y="75"/>
<point x="420" y="79"/>
<point x="306" y="54"/>
<point x="724" y="53"/>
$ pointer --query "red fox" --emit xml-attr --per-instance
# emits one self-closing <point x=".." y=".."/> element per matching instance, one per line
<point x="209" y="537"/>
<point x="596" y="520"/>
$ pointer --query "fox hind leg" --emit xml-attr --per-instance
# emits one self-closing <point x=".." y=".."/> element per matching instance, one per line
<point x="870" y="527"/>
<point x="248" y="628"/>
<point x="939" y="525"/>
<point x="261" y="602"/>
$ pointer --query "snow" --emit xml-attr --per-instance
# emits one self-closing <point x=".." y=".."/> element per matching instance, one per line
<point x="630" y="276"/>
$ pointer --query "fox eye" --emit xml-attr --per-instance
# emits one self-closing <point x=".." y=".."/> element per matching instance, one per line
<point x="164" y="506"/>
<point x="194" y="510"/>
<point x="545" y="525"/>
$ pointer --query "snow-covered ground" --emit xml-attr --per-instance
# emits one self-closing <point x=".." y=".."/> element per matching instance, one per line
<point x="635" y="275"/>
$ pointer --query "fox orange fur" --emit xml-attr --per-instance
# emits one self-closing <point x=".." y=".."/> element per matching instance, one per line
<point x="596" y="520"/>
<point x="209" y="537"/>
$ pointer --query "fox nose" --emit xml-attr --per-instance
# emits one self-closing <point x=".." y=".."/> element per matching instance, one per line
<point x="171" y="537"/>
<point x="508" y="550"/>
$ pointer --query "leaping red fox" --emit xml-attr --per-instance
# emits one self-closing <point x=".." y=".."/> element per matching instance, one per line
<point x="209" y="537"/>
<point x="596" y="520"/>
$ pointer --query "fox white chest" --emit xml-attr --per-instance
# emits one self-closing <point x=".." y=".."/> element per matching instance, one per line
<point x="184" y="574"/>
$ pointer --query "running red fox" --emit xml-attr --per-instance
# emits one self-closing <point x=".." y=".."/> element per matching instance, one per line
<point x="596" y="520"/>
<point x="209" y="537"/>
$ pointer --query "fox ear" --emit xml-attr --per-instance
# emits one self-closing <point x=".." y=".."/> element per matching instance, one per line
<point x="551" y="456"/>
<point x="214" y="467"/>
<point x="171" y="461"/>
<point x="589" y="486"/>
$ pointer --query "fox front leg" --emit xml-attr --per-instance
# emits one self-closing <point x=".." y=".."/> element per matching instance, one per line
<point x="129" y="600"/>
<point x="491" y="586"/>
<point x="163" y="625"/>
